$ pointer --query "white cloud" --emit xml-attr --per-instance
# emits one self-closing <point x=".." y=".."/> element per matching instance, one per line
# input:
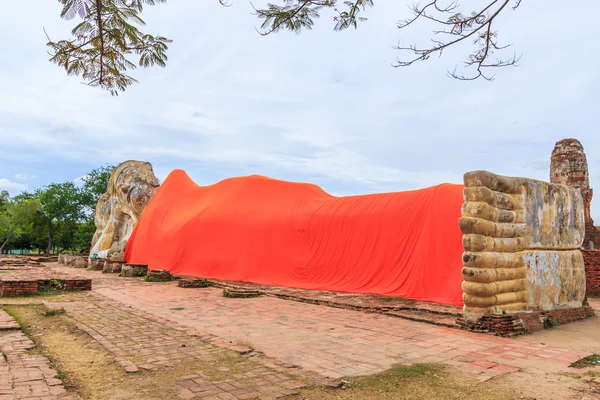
<point x="11" y="187"/>
<point x="79" y="181"/>
<point x="23" y="177"/>
<point x="320" y="106"/>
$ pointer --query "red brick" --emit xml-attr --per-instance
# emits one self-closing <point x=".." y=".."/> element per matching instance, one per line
<point x="591" y="260"/>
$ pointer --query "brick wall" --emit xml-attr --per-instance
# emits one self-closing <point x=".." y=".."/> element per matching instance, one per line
<point x="17" y="288"/>
<point x="525" y="322"/>
<point x="68" y="284"/>
<point x="592" y="271"/>
<point x="591" y="240"/>
<point x="78" y="284"/>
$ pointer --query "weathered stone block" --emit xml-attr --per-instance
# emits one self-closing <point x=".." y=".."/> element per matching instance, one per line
<point x="159" y="275"/>
<point x="193" y="283"/>
<point x="97" y="264"/>
<point x="69" y="259"/>
<point x="80" y="262"/>
<point x="132" y="270"/>
<point x="117" y="266"/>
<point x="521" y="240"/>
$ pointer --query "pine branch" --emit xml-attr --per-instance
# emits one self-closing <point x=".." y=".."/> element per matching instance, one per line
<point x="103" y="40"/>
<point x="295" y="15"/>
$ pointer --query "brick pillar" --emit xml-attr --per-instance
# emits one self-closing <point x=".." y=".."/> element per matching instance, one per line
<point x="568" y="166"/>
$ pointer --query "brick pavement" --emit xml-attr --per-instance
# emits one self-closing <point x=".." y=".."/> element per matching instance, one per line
<point x="7" y="323"/>
<point x="24" y="375"/>
<point x="331" y="342"/>
<point x="147" y="342"/>
<point x="433" y="313"/>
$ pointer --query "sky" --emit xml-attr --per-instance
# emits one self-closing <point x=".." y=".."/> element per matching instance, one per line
<point x="323" y="107"/>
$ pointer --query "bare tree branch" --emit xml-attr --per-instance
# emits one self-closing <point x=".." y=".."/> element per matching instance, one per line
<point x="106" y="36"/>
<point x="459" y="27"/>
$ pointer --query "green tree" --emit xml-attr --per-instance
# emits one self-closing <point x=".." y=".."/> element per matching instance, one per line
<point x="60" y="214"/>
<point x="83" y="235"/>
<point x="61" y="204"/>
<point x="4" y="197"/>
<point x="17" y="217"/>
<point x="95" y="183"/>
<point x="6" y="220"/>
<point x="102" y="43"/>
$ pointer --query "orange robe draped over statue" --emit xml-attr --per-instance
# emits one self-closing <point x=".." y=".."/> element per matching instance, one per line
<point x="272" y="232"/>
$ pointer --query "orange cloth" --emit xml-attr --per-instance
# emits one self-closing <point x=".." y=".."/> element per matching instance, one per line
<point x="272" y="232"/>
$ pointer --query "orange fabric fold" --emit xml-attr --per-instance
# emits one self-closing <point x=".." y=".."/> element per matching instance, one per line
<point x="261" y="230"/>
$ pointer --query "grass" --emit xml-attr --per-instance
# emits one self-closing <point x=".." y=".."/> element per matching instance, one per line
<point x="148" y="279"/>
<point x="177" y="308"/>
<point x="52" y="313"/>
<point x="52" y="287"/>
<point x="42" y="291"/>
<point x="415" y="382"/>
<point x="593" y="374"/>
<point x="62" y="376"/>
<point x="4" y="356"/>
<point x="17" y="317"/>
<point x="396" y="299"/>
<point x="139" y="272"/>
<point x="549" y="322"/>
<point x="244" y="343"/>
<point x="205" y="283"/>
<point x="233" y="294"/>
<point x="589" y="361"/>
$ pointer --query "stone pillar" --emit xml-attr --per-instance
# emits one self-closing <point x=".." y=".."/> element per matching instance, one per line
<point x="568" y="166"/>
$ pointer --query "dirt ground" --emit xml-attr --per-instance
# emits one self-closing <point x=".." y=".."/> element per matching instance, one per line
<point x="91" y="371"/>
<point x="579" y="335"/>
